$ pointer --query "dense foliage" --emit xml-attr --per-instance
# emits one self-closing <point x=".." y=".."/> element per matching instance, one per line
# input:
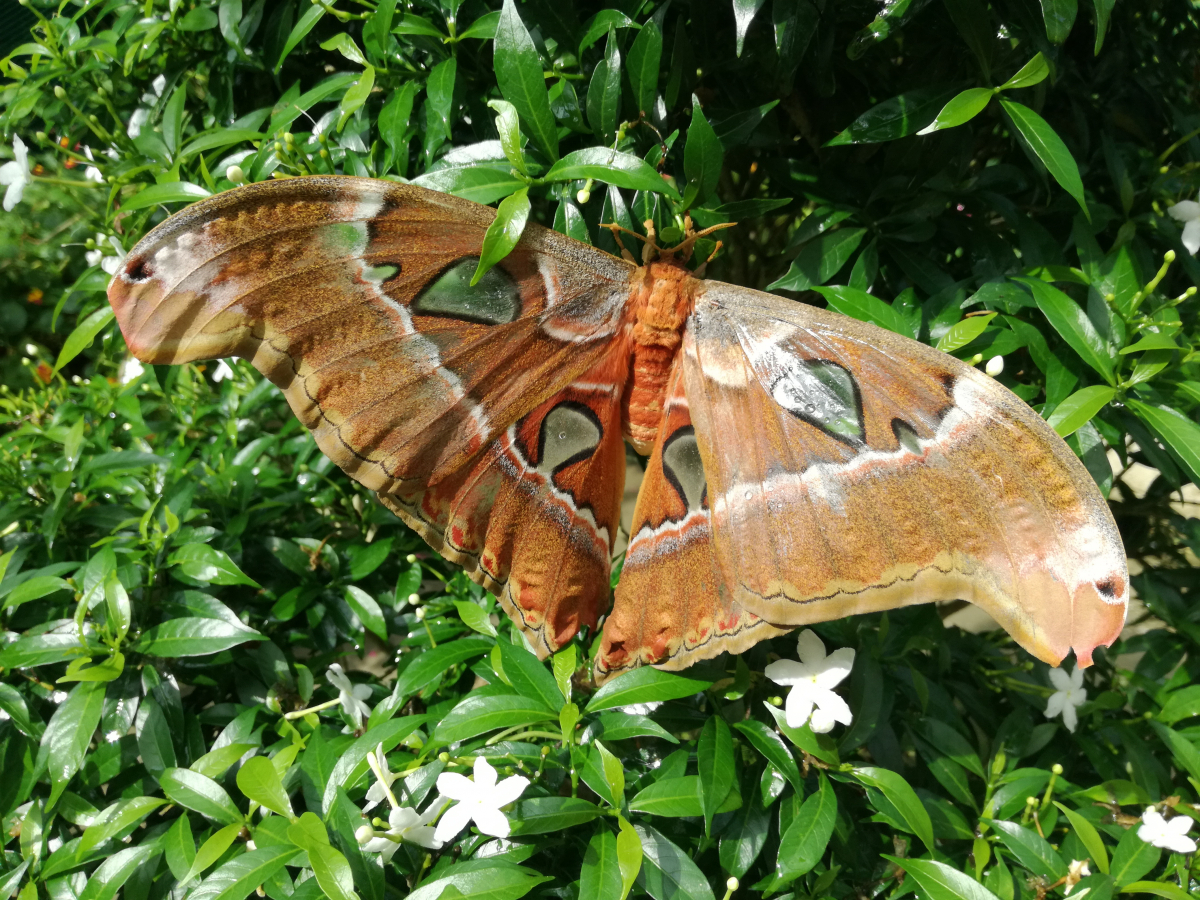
<point x="181" y="572"/>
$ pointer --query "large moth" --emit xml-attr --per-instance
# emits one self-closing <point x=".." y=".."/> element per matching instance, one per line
<point x="802" y="465"/>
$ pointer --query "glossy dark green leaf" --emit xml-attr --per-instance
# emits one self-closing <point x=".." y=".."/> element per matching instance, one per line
<point x="1104" y="10"/>
<point x="668" y="872"/>
<point x="508" y="126"/>
<point x="529" y="676"/>
<point x="439" y="105"/>
<point x="68" y="734"/>
<point x="803" y="843"/>
<point x="193" y="636"/>
<point x="600" y="877"/>
<point x="179" y="847"/>
<point x="961" y="108"/>
<point x="642" y="64"/>
<point x="714" y="762"/>
<point x="547" y="815"/>
<point x="478" y="715"/>
<point x="116" y="818"/>
<point x="482" y="184"/>
<point x="1177" y="431"/>
<point x="902" y="796"/>
<point x="1033" y="72"/>
<point x="606" y="21"/>
<point x="84" y="333"/>
<point x="613" y="167"/>
<point x="703" y="157"/>
<point x="519" y="75"/>
<point x="1133" y="858"/>
<point x="895" y="118"/>
<point x="351" y="765"/>
<point x="201" y="794"/>
<point x="942" y="882"/>
<point x="744" y="12"/>
<point x="367" y="610"/>
<point x="1059" y="16"/>
<point x="208" y="564"/>
<point x="1031" y="850"/>
<point x="504" y="232"/>
<point x="110" y="876"/>
<point x="569" y="220"/>
<point x="604" y="92"/>
<point x="1048" y="147"/>
<point x="1078" y="409"/>
<point x="974" y="23"/>
<point x="678" y="797"/>
<point x="771" y="746"/>
<point x="480" y="879"/>
<point x="820" y="259"/>
<point x="1088" y="836"/>
<point x="1073" y="325"/>
<point x="644" y="685"/>
<point x="742" y="841"/>
<point x="239" y="877"/>
<point x="14" y="706"/>
<point x="259" y="781"/>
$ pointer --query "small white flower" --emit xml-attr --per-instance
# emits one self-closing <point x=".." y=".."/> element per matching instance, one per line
<point x="1170" y="835"/>
<point x="812" y="681"/>
<point x="642" y="709"/>
<point x="91" y="173"/>
<point x="404" y="824"/>
<point x="223" y="371"/>
<point x="111" y="262"/>
<point x="130" y="370"/>
<point x="479" y="800"/>
<point x="15" y="174"/>
<point x="351" y="696"/>
<point x="59" y="696"/>
<point x="994" y="366"/>
<point x="112" y="736"/>
<point x="1077" y="871"/>
<point x="141" y="115"/>
<point x="1070" y="694"/>
<point x="1185" y="211"/>
<point x="384" y="779"/>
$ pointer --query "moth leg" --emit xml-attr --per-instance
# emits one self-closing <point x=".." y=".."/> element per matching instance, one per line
<point x="625" y="254"/>
<point x="699" y="273"/>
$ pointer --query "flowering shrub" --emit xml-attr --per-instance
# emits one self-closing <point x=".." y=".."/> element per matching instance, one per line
<point x="226" y="670"/>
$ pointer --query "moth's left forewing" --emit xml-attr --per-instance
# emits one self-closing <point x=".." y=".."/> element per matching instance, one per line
<point x="853" y="470"/>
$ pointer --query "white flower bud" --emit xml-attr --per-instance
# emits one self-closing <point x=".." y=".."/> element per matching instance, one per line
<point x="994" y="366"/>
<point x="235" y="174"/>
<point x="420" y="614"/>
<point x="411" y="558"/>
<point x="414" y="599"/>
<point x="364" y="834"/>
<point x="732" y="884"/>
<point x="583" y="196"/>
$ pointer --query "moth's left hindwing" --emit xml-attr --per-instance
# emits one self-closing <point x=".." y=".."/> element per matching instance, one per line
<point x="353" y="296"/>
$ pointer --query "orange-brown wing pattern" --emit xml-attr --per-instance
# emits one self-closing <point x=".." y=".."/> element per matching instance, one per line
<point x="533" y="519"/>
<point x="353" y="296"/>
<point x="672" y="605"/>
<point x="853" y="470"/>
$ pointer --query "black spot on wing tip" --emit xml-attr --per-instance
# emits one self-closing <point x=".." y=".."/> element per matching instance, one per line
<point x="138" y="270"/>
<point x="1111" y="588"/>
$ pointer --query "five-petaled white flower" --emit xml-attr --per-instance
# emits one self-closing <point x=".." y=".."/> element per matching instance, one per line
<point x="1070" y="694"/>
<point x="223" y="370"/>
<point x="1168" y="834"/>
<point x="404" y="824"/>
<point x="812" y="681"/>
<point x="1187" y="212"/>
<point x="1076" y="871"/>
<point x="109" y="264"/>
<point x="351" y="696"/>
<point x="480" y="800"/>
<point x="130" y="370"/>
<point x="15" y="174"/>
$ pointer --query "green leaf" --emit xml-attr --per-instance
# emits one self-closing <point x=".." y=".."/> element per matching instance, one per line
<point x="239" y="877"/>
<point x="714" y="761"/>
<point x="529" y="676"/>
<point x="803" y="844"/>
<point x="394" y="119"/>
<point x="619" y="726"/>
<point x="474" y="617"/>
<point x="642" y="64"/>
<point x="201" y="794"/>
<point x="193" y="636"/>
<point x="1151" y="342"/>
<point x="13" y="705"/>
<point x="356" y="95"/>
<point x="602" y="23"/>
<point x="179" y="847"/>
<point x="259" y="781"/>
<point x="548" y="815"/>
<point x="600" y="877"/>
<point x="895" y="118"/>
<point x="508" y="126"/>
<point x="902" y="796"/>
<point x="1073" y="325"/>
<point x="743" y="839"/>
<point x="1079" y="409"/>
<point x="1088" y="836"/>
<point x="35" y="589"/>
<point x="563" y="665"/>
<point x="629" y="854"/>
<point x="167" y="192"/>
<point x="344" y="44"/>
<point x="68" y="734"/>
<point x="116" y="818"/>
<point x="367" y="610"/>
<point x="1048" y="147"/>
<point x="703" y="157"/>
<point x="604" y="92"/>
<point x="644" y="685"/>
<point x="962" y="333"/>
<point x="476" y="715"/>
<point x="1031" y="850"/>
<point x="82" y="336"/>
<point x="439" y="105"/>
<point x="483" y="28"/>
<point x="302" y="27"/>
<point x="330" y="866"/>
<point x="112" y="874"/>
<point x="974" y="23"/>
<point x="519" y="75"/>
<point x="172" y="120"/>
<point x="1104" y="10"/>
<point x="213" y="849"/>
<point x="668" y="873"/>
<point x="1159" y="889"/>
<point x="961" y="109"/>
<point x="613" y="167"/>
<point x="678" y="797"/>
<point x="208" y="564"/>
<point x="820" y="259"/>
<point x="771" y="746"/>
<point x="482" y="184"/>
<point x="942" y="882"/>
<point x="819" y="745"/>
<point x="480" y="879"/>
<point x="1060" y="16"/>
<point x="1178" y="432"/>
<point x="1033" y="72"/>
<point x="352" y="764"/>
<point x="410" y="23"/>
<point x="504" y="232"/>
<point x="864" y="307"/>
<point x="429" y="666"/>
<point x="614" y="776"/>
<point x="1132" y="858"/>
